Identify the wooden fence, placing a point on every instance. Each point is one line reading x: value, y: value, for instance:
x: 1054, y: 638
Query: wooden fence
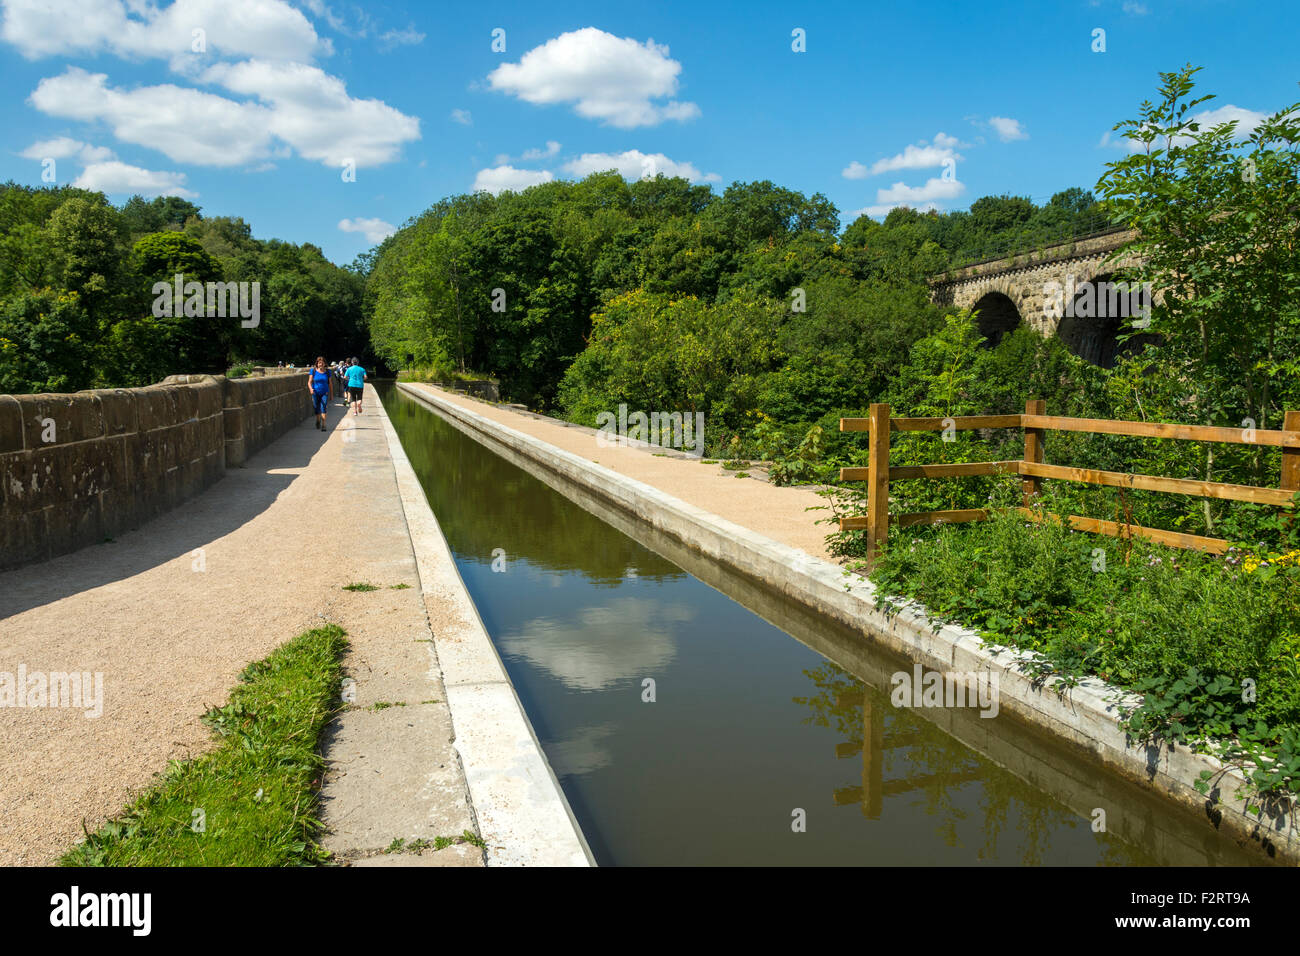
x: 1033, y: 470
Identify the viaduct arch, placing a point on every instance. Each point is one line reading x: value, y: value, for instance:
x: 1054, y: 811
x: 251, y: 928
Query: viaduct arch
x: 1011, y: 291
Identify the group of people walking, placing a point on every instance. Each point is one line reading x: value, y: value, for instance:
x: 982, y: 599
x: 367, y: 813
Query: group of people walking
x: 324, y: 382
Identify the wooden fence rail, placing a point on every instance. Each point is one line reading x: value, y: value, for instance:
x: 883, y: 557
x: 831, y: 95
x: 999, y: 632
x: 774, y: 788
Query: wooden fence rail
x: 1033, y: 469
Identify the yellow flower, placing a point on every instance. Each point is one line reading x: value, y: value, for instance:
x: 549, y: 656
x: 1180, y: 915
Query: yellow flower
x: 1250, y: 564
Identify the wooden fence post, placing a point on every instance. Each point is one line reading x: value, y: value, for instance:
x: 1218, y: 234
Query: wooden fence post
x: 1034, y: 438
x: 1291, y: 456
x: 877, y: 481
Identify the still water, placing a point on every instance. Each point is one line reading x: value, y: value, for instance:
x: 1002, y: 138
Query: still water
x: 758, y: 718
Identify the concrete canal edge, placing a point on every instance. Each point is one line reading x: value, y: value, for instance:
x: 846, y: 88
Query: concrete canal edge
x: 523, y: 816
x: 1086, y: 716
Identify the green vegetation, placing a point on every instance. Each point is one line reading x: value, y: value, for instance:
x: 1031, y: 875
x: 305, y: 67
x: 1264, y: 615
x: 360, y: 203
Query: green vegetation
x: 252, y: 801
x: 438, y: 374
x: 76, y: 293
x: 400, y: 845
x: 361, y: 586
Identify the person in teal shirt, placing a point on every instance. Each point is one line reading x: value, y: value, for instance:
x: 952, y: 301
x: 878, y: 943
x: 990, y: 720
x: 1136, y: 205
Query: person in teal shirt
x: 356, y: 385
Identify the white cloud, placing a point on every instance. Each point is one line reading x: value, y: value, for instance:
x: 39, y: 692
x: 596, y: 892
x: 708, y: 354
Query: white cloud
x: 115, y: 177
x: 366, y: 26
x: 408, y: 37
x: 607, y: 78
x: 915, y: 157
x: 1247, y: 121
x: 462, y: 117
x: 64, y: 147
x: 375, y: 230
x: 1134, y: 8
x: 884, y: 210
x: 501, y: 178
x: 1007, y: 129
x: 303, y: 107
x: 920, y: 198
x: 940, y: 151
x: 934, y: 188
x: 312, y: 112
x: 186, y: 125
x: 634, y: 164
x: 552, y: 149
x: 257, y: 28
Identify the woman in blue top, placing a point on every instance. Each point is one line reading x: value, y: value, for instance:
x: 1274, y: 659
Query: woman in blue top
x: 320, y: 388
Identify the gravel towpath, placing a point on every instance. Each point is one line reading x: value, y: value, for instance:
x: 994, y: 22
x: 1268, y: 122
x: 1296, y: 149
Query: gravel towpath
x: 171, y: 613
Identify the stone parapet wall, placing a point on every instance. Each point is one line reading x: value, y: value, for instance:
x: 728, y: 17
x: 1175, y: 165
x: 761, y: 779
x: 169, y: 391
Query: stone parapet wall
x: 259, y: 410
x: 76, y: 469
x: 1096, y: 246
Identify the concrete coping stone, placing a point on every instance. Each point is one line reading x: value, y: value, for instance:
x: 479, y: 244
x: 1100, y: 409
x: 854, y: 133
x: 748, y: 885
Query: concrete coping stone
x: 523, y: 816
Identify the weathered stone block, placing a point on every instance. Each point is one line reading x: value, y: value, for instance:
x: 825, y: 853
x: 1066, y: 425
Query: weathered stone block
x: 23, y: 539
x: 187, y: 403
x: 157, y: 407
x: 60, y: 419
x: 210, y: 398
x: 118, y: 407
x: 11, y: 424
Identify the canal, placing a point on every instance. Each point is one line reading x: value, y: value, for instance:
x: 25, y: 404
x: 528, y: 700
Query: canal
x: 693, y: 716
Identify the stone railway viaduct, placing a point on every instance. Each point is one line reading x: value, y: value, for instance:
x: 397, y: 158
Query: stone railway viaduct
x: 1010, y: 291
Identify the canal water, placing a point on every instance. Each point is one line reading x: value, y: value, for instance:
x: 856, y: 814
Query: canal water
x: 717, y: 723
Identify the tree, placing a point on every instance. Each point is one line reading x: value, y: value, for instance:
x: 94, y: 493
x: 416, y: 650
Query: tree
x: 1218, y: 229
x: 198, y: 343
x: 143, y: 216
x: 85, y: 239
x: 1216, y: 215
x: 46, y: 338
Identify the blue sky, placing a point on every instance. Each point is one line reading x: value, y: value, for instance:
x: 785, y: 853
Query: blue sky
x: 261, y: 119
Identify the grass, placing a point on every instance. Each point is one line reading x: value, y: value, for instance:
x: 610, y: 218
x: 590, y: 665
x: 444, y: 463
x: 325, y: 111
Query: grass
x: 253, y: 800
x: 360, y: 587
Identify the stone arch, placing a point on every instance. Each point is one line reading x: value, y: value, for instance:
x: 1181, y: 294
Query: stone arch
x: 1096, y: 314
x: 998, y: 315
